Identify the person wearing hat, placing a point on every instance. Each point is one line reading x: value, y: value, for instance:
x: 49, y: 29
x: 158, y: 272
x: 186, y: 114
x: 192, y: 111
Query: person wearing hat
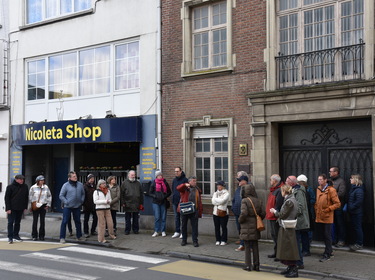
x: 16, y: 201
x: 220, y: 213
x: 306, y: 235
x: 41, y: 195
x: 242, y: 179
x: 89, y: 207
x: 159, y: 191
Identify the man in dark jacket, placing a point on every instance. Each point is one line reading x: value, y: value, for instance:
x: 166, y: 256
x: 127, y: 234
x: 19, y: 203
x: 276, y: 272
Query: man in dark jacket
x: 132, y: 201
x: 275, y: 200
x: 16, y: 201
x: 339, y: 219
x: 242, y: 179
x: 89, y: 206
x: 178, y: 180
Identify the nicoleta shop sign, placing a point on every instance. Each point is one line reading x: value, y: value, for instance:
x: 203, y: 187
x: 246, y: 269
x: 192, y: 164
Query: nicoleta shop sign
x: 79, y: 131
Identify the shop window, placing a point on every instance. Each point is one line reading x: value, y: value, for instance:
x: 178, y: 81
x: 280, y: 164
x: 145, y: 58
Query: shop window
x: 36, y: 79
x: 40, y: 10
x: 207, y: 36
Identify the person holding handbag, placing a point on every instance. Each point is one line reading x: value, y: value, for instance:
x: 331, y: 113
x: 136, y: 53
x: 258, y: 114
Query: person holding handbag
x: 220, y: 213
x: 251, y: 207
x: 40, y: 195
x: 287, y: 249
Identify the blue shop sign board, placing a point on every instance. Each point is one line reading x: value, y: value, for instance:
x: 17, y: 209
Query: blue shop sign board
x: 79, y: 131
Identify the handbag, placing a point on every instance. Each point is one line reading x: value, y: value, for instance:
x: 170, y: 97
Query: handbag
x: 289, y: 223
x: 221, y: 213
x: 187, y: 208
x: 260, y: 225
x: 34, y: 206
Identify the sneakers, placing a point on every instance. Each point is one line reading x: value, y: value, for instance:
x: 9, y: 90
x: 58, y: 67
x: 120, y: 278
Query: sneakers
x: 164, y: 234
x: 217, y: 243
x: 176, y: 234
x: 325, y: 258
x: 17, y: 239
x: 71, y: 234
x: 339, y: 244
x: 355, y: 247
x: 62, y: 241
x: 81, y: 239
x: 223, y: 243
x: 181, y: 236
x: 10, y: 241
x: 87, y: 235
x: 240, y: 248
x: 155, y: 234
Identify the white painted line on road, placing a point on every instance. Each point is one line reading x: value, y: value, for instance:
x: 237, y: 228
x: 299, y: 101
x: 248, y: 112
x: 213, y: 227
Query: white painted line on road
x: 45, y: 272
x: 114, y: 255
x: 76, y: 261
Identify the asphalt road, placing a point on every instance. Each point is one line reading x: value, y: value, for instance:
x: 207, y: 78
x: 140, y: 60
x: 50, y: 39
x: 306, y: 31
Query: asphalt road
x: 30, y: 260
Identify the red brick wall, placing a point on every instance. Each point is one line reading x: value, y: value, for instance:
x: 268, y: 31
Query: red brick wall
x: 220, y: 96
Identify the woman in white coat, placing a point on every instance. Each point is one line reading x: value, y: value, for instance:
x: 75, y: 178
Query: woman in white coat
x: 102, y: 201
x: 220, y: 214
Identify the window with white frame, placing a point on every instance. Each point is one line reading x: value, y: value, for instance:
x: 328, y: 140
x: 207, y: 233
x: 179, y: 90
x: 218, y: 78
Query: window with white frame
x: 84, y: 72
x: 40, y: 10
x: 211, y: 162
x: 207, y: 36
x: 311, y: 27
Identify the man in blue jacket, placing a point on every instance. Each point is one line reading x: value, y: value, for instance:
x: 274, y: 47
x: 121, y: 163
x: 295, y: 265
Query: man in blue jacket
x: 72, y: 195
x: 178, y: 180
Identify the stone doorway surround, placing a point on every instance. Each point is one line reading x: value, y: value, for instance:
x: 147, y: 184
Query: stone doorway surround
x: 339, y: 101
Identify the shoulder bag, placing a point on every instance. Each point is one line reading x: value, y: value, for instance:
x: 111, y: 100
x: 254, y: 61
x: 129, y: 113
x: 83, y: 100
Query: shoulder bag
x: 34, y: 207
x: 260, y: 225
x: 187, y: 208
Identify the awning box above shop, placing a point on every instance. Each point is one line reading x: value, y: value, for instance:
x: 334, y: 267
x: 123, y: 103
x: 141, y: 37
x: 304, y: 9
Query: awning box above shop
x: 79, y: 131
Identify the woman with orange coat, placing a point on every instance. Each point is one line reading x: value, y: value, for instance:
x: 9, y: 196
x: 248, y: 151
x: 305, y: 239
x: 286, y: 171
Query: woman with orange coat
x: 326, y: 202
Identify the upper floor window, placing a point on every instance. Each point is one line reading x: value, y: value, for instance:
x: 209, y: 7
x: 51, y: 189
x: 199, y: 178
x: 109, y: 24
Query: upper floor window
x: 84, y: 72
x: 320, y: 40
x: 207, y: 36
x: 39, y: 10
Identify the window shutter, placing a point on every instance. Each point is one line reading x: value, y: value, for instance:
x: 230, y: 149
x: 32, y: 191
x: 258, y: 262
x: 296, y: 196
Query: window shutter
x: 210, y: 132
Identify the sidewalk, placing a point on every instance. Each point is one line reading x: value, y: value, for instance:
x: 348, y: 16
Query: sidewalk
x: 344, y: 264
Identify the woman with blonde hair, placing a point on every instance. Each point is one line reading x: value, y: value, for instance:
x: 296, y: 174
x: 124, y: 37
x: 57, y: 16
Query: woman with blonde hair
x: 102, y: 200
x: 355, y: 208
x: 287, y: 250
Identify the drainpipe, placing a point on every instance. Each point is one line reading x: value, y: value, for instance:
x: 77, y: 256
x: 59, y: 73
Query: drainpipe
x: 158, y: 86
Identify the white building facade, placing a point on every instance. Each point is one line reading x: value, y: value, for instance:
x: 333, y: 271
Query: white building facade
x: 84, y: 89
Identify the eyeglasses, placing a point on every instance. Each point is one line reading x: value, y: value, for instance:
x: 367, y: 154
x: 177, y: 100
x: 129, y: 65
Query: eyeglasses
x: 177, y: 171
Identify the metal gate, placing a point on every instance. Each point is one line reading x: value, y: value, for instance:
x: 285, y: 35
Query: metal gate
x: 312, y: 148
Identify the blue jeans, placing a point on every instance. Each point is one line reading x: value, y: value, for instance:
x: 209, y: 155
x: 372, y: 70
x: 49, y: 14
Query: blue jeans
x: 128, y: 221
x: 14, y: 223
x: 299, y: 245
x: 177, y: 218
x: 67, y: 212
x: 305, y: 238
x: 239, y: 230
x: 340, y: 231
x: 357, y: 227
x: 160, y: 215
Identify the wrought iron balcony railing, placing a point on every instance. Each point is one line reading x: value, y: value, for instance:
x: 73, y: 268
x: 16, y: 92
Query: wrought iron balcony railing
x: 329, y: 65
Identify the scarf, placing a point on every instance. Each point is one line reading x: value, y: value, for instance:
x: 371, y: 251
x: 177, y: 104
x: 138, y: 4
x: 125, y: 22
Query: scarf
x: 73, y: 183
x: 103, y: 189
x: 160, y: 185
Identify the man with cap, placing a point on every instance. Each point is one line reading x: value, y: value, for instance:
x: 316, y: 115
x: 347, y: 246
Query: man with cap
x: 242, y: 179
x: 41, y: 195
x: 178, y: 180
x: 303, y: 221
x: 89, y: 206
x: 72, y: 195
x: 16, y: 201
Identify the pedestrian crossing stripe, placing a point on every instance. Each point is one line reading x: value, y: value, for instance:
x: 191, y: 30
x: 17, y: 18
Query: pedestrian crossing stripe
x: 45, y: 272
x: 111, y: 254
x: 82, y: 262
x: 29, y: 245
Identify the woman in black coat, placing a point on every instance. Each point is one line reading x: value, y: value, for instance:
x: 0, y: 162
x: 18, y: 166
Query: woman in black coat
x: 248, y: 222
x: 355, y: 208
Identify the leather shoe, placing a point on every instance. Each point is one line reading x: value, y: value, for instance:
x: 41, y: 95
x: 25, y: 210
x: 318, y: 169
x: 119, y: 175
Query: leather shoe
x: 183, y: 243
x: 195, y: 244
x: 256, y: 267
x: 272, y: 256
x: 247, y: 268
x: 127, y: 232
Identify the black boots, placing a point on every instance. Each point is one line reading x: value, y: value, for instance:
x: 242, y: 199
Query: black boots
x: 293, y: 272
x: 256, y: 267
x: 286, y: 271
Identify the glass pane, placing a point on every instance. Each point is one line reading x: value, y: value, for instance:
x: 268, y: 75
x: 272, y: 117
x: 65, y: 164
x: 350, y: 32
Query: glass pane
x: 52, y: 8
x: 217, y: 145
x: 66, y: 6
x: 31, y: 81
x: 206, y: 174
x: 225, y: 145
x: 40, y: 93
x: 218, y: 163
x: 34, y: 11
x: 199, y: 175
x: 80, y: 5
x: 198, y: 163
x: 40, y: 79
x: 207, y: 188
x: 31, y: 94
x: 225, y: 163
x: 218, y: 176
x: 206, y: 163
x: 206, y: 145
x: 198, y: 146
x: 55, y: 62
